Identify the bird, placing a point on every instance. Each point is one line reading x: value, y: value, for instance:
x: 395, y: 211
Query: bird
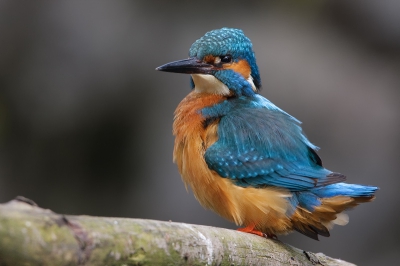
x: 245, y: 158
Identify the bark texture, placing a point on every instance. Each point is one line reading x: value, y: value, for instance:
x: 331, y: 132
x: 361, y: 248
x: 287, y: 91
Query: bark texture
x: 30, y: 235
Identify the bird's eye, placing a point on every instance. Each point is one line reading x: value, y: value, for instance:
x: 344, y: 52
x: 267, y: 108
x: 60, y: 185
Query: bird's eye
x: 226, y: 59
x: 222, y: 59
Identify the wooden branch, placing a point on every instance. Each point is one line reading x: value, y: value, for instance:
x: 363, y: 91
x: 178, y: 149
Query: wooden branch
x: 30, y: 235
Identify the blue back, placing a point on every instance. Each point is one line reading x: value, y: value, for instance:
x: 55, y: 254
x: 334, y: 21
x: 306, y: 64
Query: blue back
x: 259, y: 144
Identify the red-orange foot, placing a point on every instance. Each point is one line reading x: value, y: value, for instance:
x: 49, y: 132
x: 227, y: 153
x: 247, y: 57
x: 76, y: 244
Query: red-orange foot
x: 250, y: 229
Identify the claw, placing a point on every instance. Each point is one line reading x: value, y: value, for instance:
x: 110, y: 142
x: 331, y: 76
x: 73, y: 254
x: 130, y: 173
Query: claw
x: 272, y: 236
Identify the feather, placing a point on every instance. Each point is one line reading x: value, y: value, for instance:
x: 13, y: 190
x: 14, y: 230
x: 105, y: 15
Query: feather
x: 272, y: 153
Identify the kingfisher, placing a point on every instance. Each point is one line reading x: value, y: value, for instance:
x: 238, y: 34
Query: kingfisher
x: 244, y: 157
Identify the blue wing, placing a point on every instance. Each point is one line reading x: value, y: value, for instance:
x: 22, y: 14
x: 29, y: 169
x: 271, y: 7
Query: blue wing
x: 261, y: 145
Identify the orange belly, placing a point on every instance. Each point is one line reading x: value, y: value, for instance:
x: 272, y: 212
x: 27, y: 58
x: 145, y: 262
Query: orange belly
x: 267, y: 207
x: 264, y: 207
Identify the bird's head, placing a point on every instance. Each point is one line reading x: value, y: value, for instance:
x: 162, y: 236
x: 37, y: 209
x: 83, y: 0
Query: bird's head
x: 220, y: 62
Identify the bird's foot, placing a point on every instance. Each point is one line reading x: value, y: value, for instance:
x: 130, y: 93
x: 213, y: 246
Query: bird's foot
x: 250, y: 229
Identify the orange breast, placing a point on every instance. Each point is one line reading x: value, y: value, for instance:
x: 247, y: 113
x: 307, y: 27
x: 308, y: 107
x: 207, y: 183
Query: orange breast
x: 266, y: 208
x: 263, y: 207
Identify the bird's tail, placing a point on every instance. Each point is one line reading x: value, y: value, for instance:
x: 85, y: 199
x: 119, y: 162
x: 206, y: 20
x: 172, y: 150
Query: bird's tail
x: 322, y: 207
x: 344, y: 189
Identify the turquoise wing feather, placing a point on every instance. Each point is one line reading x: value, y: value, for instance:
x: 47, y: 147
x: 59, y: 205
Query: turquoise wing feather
x: 261, y: 145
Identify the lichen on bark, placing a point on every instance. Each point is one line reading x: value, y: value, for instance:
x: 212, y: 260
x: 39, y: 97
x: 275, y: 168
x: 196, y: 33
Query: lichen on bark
x: 30, y: 235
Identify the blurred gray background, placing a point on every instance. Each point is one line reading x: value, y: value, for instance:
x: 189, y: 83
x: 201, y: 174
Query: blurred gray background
x: 85, y: 120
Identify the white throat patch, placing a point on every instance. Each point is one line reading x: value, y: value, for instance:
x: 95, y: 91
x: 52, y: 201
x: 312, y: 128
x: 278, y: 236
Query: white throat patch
x: 210, y: 84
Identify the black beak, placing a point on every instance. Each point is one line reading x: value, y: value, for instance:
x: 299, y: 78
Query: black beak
x: 188, y: 66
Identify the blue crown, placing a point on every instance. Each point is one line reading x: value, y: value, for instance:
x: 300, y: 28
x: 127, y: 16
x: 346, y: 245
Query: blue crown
x: 227, y: 41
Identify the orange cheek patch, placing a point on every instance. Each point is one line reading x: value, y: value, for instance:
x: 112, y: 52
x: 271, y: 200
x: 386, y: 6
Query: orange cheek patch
x: 241, y: 67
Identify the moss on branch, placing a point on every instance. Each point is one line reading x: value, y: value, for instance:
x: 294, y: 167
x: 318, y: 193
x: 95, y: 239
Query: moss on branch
x: 30, y: 235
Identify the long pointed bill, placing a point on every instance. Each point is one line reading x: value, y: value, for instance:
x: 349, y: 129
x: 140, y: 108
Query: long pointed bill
x: 187, y: 66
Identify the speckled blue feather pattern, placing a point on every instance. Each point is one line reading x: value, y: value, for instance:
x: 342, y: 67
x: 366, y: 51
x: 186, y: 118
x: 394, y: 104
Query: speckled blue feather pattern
x: 261, y: 145
x: 227, y: 41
